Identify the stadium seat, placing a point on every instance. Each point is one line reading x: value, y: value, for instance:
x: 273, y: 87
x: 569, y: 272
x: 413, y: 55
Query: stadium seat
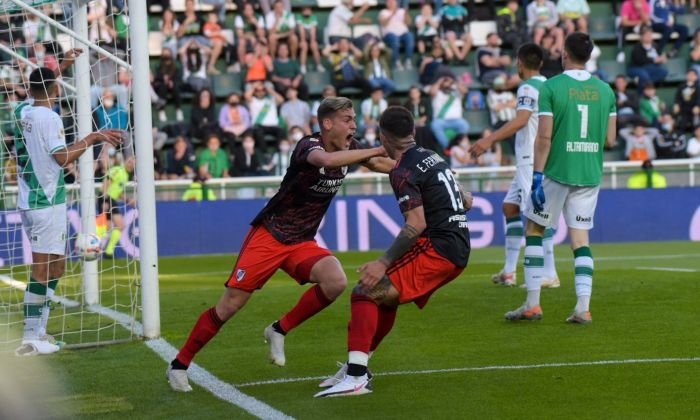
x: 480, y: 29
x: 224, y: 84
x: 677, y: 67
x: 317, y: 81
x: 603, y: 28
x: 478, y: 120
x: 404, y: 79
x: 612, y: 68
x: 691, y: 20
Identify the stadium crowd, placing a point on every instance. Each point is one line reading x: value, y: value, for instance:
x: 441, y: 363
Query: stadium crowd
x: 272, y: 60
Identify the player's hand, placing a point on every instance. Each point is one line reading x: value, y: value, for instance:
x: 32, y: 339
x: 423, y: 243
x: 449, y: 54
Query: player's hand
x: 537, y: 192
x: 372, y: 272
x: 480, y: 147
x: 467, y: 200
x: 72, y: 54
x: 381, y: 151
x: 111, y: 136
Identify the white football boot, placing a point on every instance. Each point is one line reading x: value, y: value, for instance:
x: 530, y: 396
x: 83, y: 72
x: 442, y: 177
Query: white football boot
x: 350, y: 385
x: 36, y: 347
x: 339, y: 375
x: 276, y: 342
x: 177, y: 378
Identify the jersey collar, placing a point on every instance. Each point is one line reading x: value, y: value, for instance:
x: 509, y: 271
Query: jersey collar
x: 580, y: 75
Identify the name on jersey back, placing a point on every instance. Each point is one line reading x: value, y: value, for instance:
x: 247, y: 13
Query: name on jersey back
x: 429, y: 162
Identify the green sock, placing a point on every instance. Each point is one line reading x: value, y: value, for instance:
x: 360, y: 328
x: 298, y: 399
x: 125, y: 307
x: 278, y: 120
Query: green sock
x: 113, y: 241
x: 34, y: 300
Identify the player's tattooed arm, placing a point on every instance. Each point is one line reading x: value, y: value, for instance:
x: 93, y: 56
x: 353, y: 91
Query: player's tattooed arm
x: 467, y: 198
x: 380, y: 164
x: 403, y: 242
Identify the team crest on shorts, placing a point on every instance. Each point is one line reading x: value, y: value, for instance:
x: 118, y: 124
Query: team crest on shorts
x: 240, y: 273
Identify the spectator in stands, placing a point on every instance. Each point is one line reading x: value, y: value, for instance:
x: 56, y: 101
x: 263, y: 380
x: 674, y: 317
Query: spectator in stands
x: 286, y: 73
x: 592, y: 65
x: 634, y: 15
x: 639, y: 142
x: 39, y: 56
x: 686, y: 105
x: 219, y: 8
x: 234, y: 119
x: 250, y: 28
x: 259, y: 63
x: 203, y: 121
x: 493, y: 63
x: 296, y: 112
x: 194, y: 58
x: 344, y: 58
x: 377, y: 69
x: 427, y: 25
x: 670, y: 143
x: 192, y: 29
x: 627, y: 103
x: 110, y: 113
x: 340, y: 19
x: 307, y: 22
x: 213, y: 162
x: 511, y: 29
x: 280, y: 159
x: 422, y: 115
x: 265, y: 5
x: 295, y: 135
x: 646, y: 64
x: 281, y: 25
x: 167, y: 84
x: 490, y: 159
x: 100, y: 29
x: 573, y: 15
x: 695, y: 51
x: 453, y: 18
x: 693, y: 148
x: 663, y: 13
x: 371, y: 109
x: 542, y: 19
x: 447, y: 95
x: 169, y: 26
x: 646, y: 178
x: 328, y: 91
x: 501, y: 102
x: 651, y: 106
x: 246, y: 161
x: 181, y: 161
x: 35, y: 31
x: 198, y: 191
x: 213, y: 31
x: 459, y: 153
x: 262, y: 102
x: 370, y: 138
x: 394, y: 21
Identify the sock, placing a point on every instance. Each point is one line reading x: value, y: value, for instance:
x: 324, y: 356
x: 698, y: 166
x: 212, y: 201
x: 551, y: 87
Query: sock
x: 514, y: 237
x: 357, y: 363
x: 534, y: 267
x: 361, y: 332
x: 113, y: 241
x: 387, y: 316
x: 207, y: 326
x: 550, y: 268
x: 312, y: 302
x: 47, y: 306
x: 583, y: 261
x: 278, y: 328
x: 34, y: 300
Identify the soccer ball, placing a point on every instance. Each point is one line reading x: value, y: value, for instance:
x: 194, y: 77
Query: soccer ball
x: 88, y: 246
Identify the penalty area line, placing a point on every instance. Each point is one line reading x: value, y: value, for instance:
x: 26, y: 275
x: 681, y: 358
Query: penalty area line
x: 484, y: 368
x: 673, y: 269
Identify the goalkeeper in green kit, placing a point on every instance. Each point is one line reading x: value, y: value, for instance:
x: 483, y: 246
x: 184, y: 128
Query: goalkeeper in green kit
x: 577, y: 118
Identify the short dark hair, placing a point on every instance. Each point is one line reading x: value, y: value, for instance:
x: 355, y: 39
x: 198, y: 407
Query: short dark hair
x: 579, y: 46
x: 396, y: 122
x: 331, y: 105
x: 531, y: 55
x: 41, y: 80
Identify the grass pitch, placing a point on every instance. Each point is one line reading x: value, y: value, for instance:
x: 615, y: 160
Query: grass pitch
x: 644, y: 306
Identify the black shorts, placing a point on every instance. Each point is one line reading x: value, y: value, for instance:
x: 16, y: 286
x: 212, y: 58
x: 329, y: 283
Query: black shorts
x: 109, y: 206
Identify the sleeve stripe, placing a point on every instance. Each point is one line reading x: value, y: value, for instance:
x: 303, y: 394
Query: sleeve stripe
x: 57, y: 148
x: 547, y: 114
x: 612, y: 114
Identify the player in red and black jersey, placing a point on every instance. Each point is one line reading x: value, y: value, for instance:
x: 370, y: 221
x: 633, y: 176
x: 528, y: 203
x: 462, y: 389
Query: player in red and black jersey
x: 282, y: 236
x: 430, y: 251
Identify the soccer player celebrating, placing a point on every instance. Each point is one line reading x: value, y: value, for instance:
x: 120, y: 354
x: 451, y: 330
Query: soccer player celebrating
x: 524, y: 126
x: 41, y: 156
x: 577, y: 118
x: 429, y: 252
x: 282, y: 236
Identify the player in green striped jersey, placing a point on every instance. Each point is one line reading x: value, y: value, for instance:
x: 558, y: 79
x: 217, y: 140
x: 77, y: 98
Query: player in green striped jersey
x: 577, y: 119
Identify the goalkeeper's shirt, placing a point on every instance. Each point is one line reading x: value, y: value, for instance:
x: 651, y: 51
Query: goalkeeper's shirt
x: 580, y: 106
x: 38, y: 134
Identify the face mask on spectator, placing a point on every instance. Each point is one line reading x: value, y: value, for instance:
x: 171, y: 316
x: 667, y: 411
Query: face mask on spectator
x: 370, y: 137
x: 284, y: 147
x: 108, y: 103
x: 667, y: 127
x: 298, y: 135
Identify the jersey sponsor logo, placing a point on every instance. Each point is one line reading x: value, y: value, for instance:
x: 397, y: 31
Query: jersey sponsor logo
x: 541, y: 214
x: 526, y: 101
x: 240, y: 274
x: 584, y: 219
x: 404, y: 198
x: 343, y: 169
x: 457, y: 218
x: 35, y: 238
x: 327, y: 186
x: 582, y: 147
x: 429, y: 162
x: 584, y: 94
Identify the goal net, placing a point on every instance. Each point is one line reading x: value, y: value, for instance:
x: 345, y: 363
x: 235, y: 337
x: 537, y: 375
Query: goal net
x: 94, y: 300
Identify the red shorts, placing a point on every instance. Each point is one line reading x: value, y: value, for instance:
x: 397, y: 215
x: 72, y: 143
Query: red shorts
x: 420, y: 272
x: 261, y: 255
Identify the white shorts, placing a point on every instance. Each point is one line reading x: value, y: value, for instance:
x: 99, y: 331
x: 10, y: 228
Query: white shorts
x: 519, y: 190
x: 46, y: 229
x: 578, y: 204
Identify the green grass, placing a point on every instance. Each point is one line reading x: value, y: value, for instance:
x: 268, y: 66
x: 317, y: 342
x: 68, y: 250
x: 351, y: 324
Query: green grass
x: 637, y: 315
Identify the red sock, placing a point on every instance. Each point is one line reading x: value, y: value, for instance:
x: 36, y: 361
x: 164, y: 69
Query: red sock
x: 363, y: 323
x: 312, y: 302
x: 387, y: 316
x: 204, y: 330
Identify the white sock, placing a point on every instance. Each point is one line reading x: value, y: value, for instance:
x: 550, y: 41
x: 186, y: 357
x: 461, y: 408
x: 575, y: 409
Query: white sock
x: 358, y: 358
x: 534, y: 267
x: 34, y: 300
x: 583, y: 261
x: 514, y: 238
x: 45, y: 312
x: 550, y: 268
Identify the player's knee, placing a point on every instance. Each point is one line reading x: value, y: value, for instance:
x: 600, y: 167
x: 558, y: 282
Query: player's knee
x: 231, y: 302
x: 55, y: 272
x: 511, y: 210
x: 334, y: 284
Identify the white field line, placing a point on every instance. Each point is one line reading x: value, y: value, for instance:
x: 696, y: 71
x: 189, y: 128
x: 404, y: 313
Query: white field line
x: 167, y: 352
x: 68, y: 303
x: 674, y: 269
x: 484, y: 368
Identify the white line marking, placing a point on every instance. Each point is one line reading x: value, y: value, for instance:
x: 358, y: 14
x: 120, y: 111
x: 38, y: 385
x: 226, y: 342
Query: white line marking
x: 612, y: 258
x: 483, y: 368
x: 679, y: 270
x: 167, y: 352
x: 68, y: 303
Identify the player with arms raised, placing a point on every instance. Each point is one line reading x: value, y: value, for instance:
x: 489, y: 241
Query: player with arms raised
x: 524, y: 126
x: 42, y: 154
x: 430, y: 251
x: 577, y: 119
x: 282, y: 236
